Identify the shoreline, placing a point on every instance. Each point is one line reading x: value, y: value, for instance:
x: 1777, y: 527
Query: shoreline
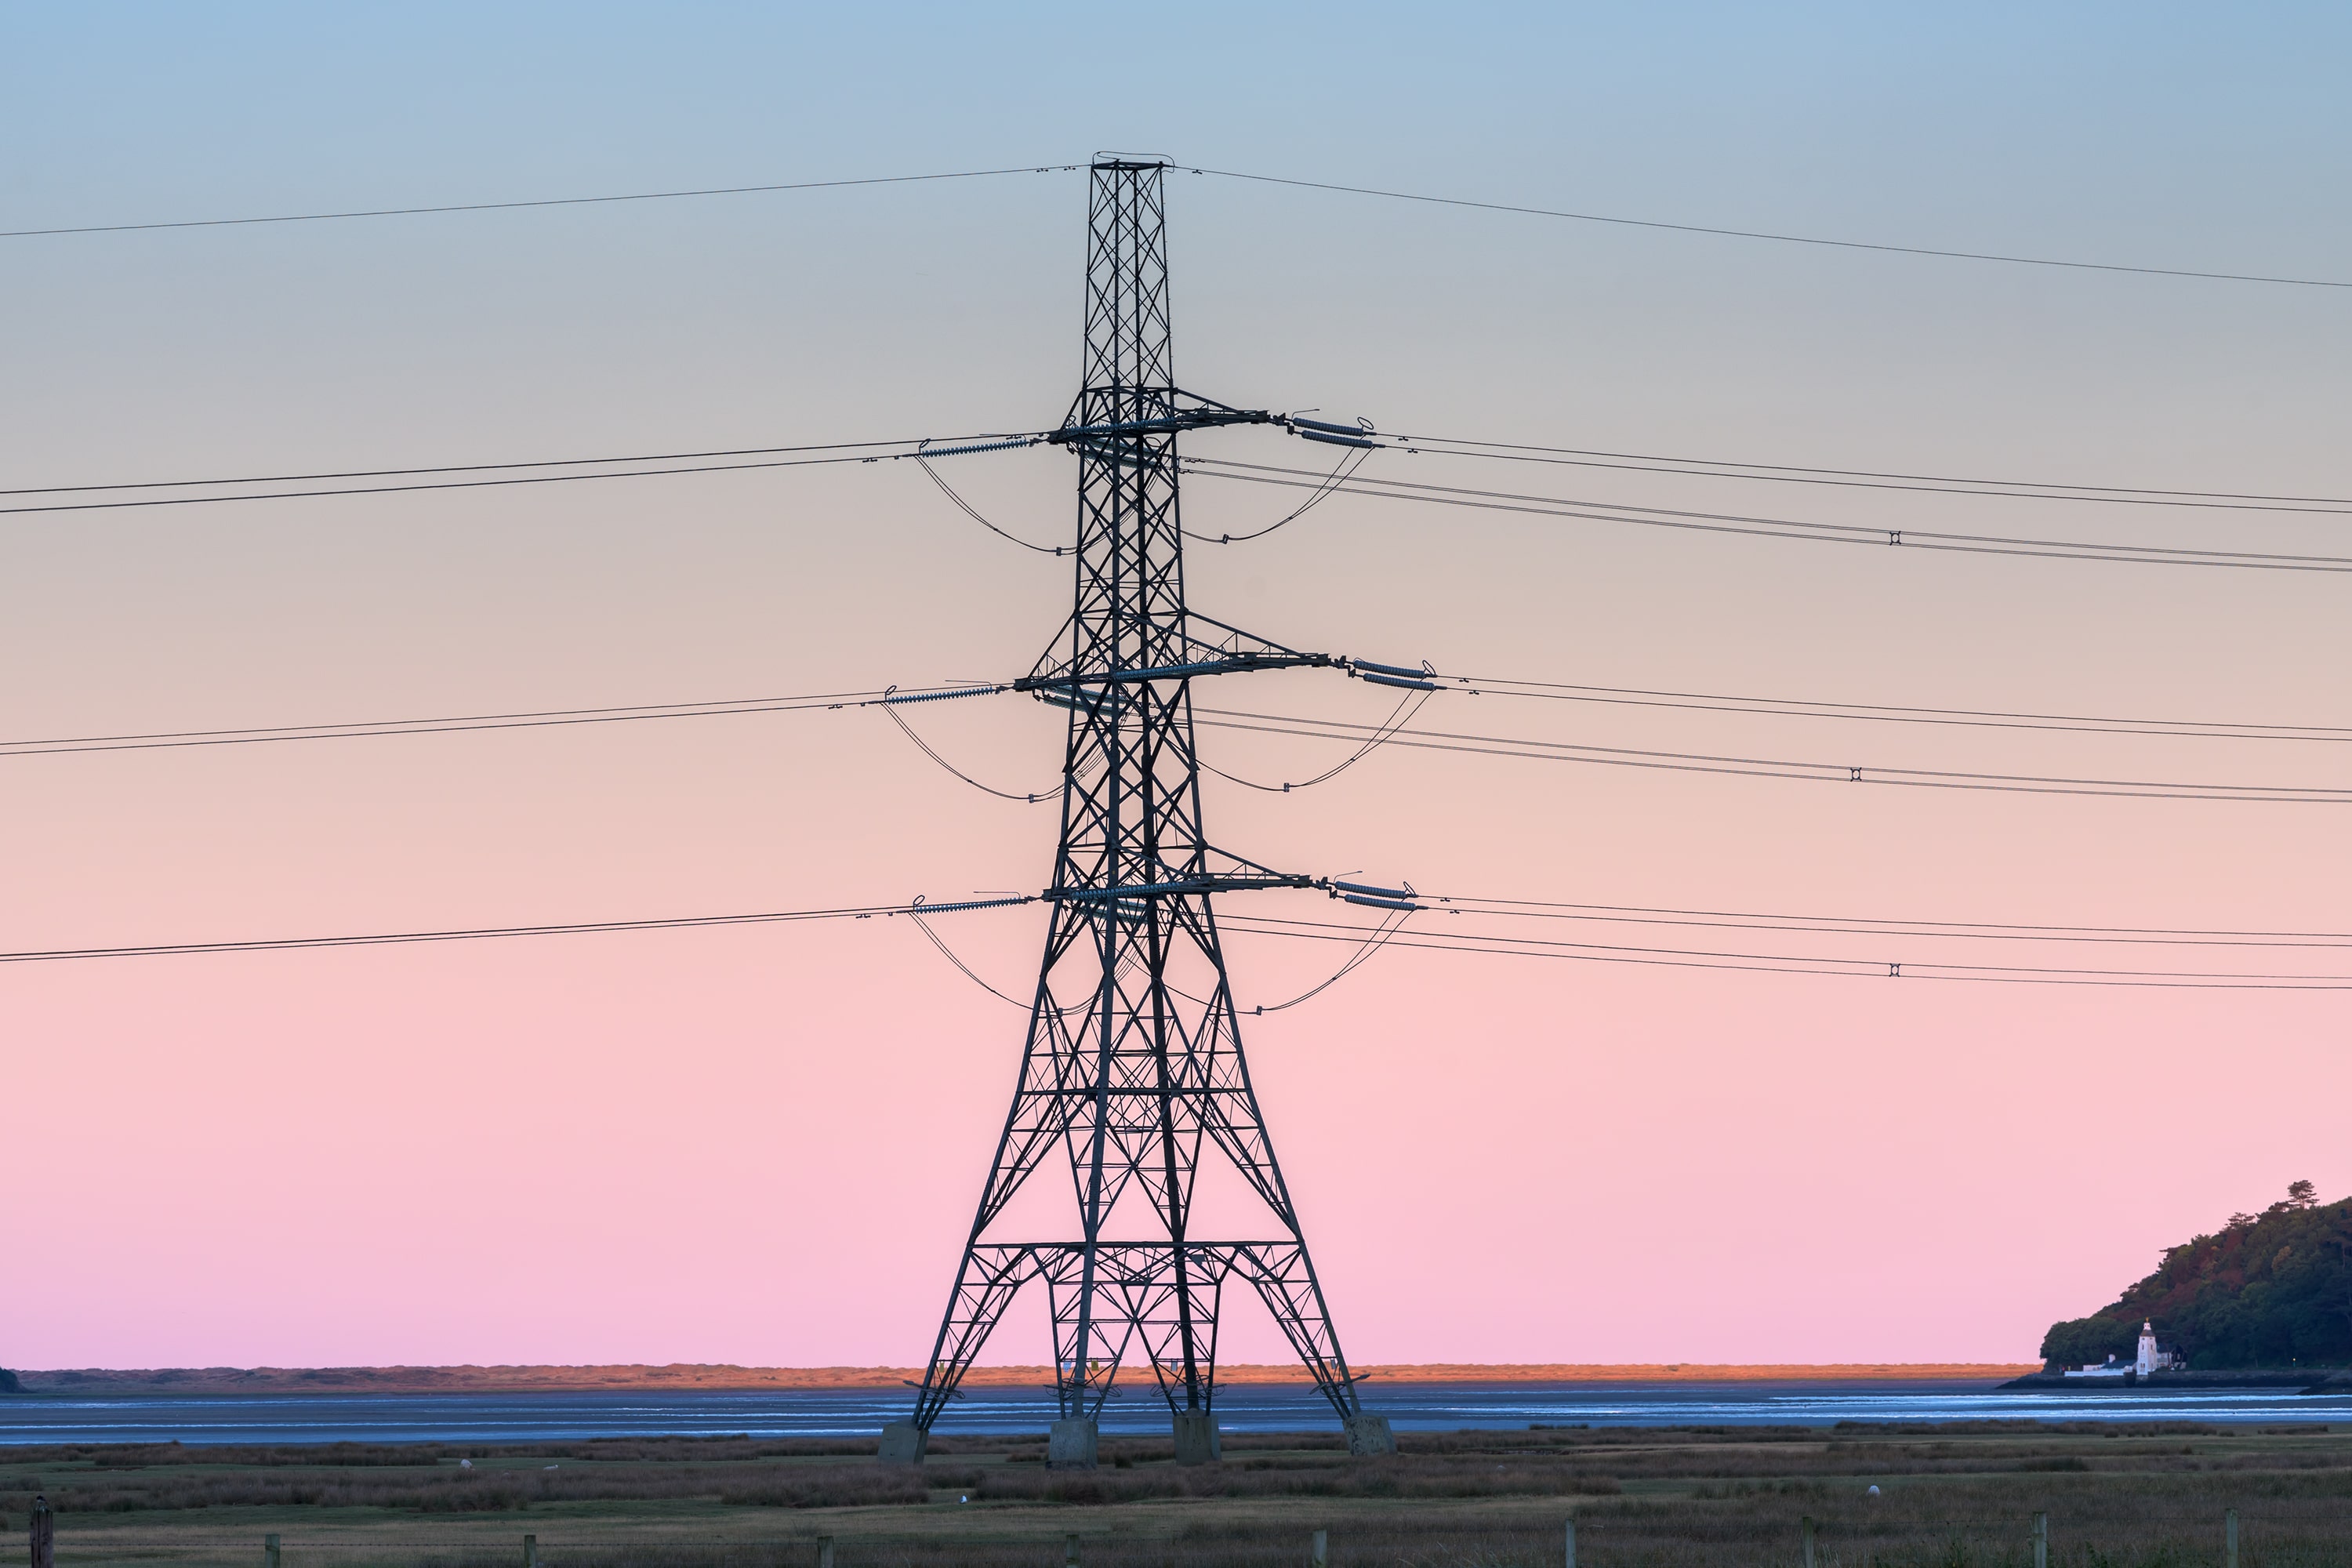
x: 2313, y: 1380
x: 721, y: 1379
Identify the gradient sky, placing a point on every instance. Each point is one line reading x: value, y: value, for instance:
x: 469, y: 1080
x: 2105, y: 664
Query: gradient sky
x: 762, y: 1145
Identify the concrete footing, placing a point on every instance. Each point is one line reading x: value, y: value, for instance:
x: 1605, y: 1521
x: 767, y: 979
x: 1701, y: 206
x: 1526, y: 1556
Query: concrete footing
x: 903, y: 1443
x: 1197, y: 1439
x: 1368, y: 1433
x: 1073, y: 1444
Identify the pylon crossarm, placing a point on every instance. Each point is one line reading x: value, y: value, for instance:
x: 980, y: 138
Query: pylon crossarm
x: 1072, y: 690
x: 1179, y: 404
x: 1235, y: 639
x: 1238, y: 642
x: 1091, y: 436
x: 1193, y: 654
x: 1203, y: 884
x: 1068, y: 685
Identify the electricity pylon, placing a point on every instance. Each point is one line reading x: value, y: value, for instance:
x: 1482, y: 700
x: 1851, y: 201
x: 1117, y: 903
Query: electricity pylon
x: 1133, y: 1064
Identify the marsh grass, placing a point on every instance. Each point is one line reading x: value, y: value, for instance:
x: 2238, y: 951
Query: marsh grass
x: 1959, y: 1496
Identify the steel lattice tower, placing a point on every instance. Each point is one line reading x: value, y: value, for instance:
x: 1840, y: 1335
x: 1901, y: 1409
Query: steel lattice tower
x: 1133, y: 1063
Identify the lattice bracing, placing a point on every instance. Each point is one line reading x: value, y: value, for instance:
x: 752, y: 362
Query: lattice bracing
x: 1133, y: 1064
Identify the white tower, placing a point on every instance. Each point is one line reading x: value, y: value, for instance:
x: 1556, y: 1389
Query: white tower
x: 2147, y: 1347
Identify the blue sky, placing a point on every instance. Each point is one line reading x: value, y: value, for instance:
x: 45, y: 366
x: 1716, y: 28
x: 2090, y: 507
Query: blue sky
x: 2196, y: 137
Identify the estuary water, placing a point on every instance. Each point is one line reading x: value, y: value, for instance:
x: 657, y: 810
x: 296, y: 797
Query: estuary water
x: 1244, y: 1407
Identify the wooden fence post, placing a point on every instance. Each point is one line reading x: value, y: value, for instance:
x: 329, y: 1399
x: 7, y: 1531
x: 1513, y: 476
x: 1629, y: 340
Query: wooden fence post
x: 1070, y: 1551
x: 44, y: 1533
x: 1318, y: 1552
x: 2229, y: 1535
x: 824, y: 1552
x: 269, y: 1551
x: 1572, y: 1543
x: 2041, y: 1540
x: 529, y: 1553
x: 1808, y: 1540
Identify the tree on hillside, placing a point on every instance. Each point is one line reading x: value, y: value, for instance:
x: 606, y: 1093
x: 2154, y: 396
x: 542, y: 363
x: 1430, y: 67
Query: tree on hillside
x: 2273, y: 1289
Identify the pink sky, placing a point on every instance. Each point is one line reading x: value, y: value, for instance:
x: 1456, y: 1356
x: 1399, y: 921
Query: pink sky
x: 762, y: 1145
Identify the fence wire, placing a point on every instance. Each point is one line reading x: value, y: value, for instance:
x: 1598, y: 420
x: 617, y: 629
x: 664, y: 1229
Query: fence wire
x: 1619, y: 1535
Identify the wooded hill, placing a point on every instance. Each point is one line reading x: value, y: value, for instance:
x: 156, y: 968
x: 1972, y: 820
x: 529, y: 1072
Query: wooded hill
x: 2271, y: 1289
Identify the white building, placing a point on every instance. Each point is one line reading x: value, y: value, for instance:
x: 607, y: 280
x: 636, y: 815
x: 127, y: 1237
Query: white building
x: 2151, y: 1358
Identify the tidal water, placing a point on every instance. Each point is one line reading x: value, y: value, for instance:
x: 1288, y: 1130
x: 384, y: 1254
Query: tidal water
x: 812, y: 1412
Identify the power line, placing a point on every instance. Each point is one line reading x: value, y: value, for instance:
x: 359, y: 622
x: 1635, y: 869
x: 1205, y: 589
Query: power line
x: 1439, y: 446
x: 889, y: 700
x: 474, y: 468
x: 1863, y: 925
x: 539, y: 202
x: 949, y: 953
x: 841, y: 454
x: 1347, y: 464
x: 1780, y: 768
x: 1866, y: 479
x: 1353, y: 961
x: 478, y: 933
x: 1400, y: 716
x: 1780, y: 238
x: 1368, y: 940
x: 1781, y: 964
x: 1806, y: 707
x: 1769, y: 527
x: 1519, y: 209
x: 2055, y: 932
x: 1373, y: 737
x: 1382, y: 934
x: 923, y: 462
x: 542, y: 719
x: 925, y: 747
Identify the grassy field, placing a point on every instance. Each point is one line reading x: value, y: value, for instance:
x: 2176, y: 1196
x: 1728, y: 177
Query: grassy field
x: 1950, y: 1496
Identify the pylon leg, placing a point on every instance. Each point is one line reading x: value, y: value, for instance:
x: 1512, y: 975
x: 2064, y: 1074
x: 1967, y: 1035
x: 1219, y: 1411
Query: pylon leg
x: 1285, y: 1280
x: 986, y: 1282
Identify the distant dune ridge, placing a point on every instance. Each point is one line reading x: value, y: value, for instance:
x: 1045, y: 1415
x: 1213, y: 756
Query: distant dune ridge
x: 719, y: 1379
